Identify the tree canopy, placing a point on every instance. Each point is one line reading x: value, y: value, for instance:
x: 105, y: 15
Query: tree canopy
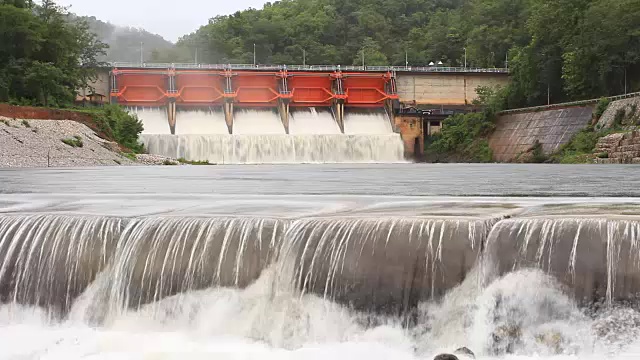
x: 557, y: 50
x: 44, y: 57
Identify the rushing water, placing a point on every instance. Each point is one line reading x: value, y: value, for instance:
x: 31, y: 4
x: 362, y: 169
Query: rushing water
x: 259, y: 137
x: 312, y: 121
x: 199, y: 121
x: 231, y: 262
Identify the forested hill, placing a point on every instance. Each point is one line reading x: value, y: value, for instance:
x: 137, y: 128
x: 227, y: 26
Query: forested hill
x: 561, y: 49
x: 124, y: 42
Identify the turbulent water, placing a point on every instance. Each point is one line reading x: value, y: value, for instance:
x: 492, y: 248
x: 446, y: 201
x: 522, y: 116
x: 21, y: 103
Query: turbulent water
x: 312, y: 121
x: 200, y: 121
x: 278, y: 149
x: 155, y: 120
x: 259, y: 137
x: 241, y: 274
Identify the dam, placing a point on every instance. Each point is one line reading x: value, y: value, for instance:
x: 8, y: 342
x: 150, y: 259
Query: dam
x: 377, y: 260
x: 238, y: 114
x: 231, y: 116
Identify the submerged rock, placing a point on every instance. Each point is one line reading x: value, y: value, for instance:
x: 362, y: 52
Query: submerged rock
x: 446, y: 357
x: 462, y: 353
x: 466, y: 352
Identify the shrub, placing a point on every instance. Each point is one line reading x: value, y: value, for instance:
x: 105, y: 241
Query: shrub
x: 114, y: 121
x: 584, y: 142
x: 75, y: 142
x: 619, y: 117
x: 601, y: 107
x: 465, y: 136
x: 190, y: 162
x: 603, y: 155
x: 26, y: 123
x: 537, y: 152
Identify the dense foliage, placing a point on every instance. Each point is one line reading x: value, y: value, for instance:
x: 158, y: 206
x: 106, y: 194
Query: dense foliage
x: 119, y: 125
x: 464, y: 137
x: 558, y: 50
x: 43, y: 56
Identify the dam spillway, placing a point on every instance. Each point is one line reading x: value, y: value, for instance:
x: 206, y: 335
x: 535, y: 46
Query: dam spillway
x: 263, y: 116
x: 259, y: 137
x: 277, y: 255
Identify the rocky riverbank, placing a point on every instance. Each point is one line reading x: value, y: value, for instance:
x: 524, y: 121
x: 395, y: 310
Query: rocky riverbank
x: 55, y: 143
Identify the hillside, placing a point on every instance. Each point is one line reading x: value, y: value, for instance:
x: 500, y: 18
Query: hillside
x: 124, y: 42
x: 557, y: 50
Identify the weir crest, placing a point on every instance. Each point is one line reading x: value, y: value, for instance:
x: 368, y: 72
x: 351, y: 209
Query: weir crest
x: 381, y: 265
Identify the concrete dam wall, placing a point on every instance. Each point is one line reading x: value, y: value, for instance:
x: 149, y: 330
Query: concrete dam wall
x: 518, y: 132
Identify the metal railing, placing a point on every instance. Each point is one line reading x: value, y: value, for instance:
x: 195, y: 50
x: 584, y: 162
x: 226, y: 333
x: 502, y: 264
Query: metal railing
x: 432, y: 69
x: 570, y: 104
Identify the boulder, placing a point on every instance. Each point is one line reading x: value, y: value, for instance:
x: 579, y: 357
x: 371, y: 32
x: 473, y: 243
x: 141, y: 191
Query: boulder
x: 446, y: 357
x: 466, y: 352
x: 462, y: 353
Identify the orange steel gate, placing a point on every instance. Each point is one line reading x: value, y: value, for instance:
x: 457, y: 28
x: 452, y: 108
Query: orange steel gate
x: 250, y: 88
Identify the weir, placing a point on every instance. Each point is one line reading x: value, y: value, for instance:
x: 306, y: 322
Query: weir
x: 387, y: 265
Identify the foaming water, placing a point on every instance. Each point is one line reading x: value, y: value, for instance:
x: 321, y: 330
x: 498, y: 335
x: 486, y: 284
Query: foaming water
x: 154, y: 120
x: 367, y: 123
x: 257, y: 122
x: 279, y: 149
x: 312, y: 121
x: 200, y: 121
x: 523, y: 313
x: 387, y: 280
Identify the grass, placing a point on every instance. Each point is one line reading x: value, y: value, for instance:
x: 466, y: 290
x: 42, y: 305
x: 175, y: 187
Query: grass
x: 130, y: 156
x: 75, y: 142
x: 26, y: 123
x: 191, y: 162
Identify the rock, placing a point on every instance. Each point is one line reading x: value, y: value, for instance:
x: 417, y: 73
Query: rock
x: 466, y: 352
x: 446, y: 357
x: 148, y: 159
x: 505, y: 338
x: 552, y: 340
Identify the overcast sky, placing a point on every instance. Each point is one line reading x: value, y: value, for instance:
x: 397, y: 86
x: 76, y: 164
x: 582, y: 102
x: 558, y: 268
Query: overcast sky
x: 171, y: 19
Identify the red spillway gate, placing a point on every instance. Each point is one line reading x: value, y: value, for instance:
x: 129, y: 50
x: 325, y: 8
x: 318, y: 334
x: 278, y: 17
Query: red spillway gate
x: 250, y: 88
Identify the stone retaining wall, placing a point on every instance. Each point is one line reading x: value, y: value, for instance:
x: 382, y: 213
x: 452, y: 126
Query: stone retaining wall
x: 517, y: 133
x: 621, y: 148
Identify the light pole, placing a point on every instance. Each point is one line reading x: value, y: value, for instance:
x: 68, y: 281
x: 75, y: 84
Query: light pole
x: 304, y: 57
x: 196, y: 59
x: 254, y: 54
x: 141, y: 54
x: 406, y: 59
x: 465, y: 58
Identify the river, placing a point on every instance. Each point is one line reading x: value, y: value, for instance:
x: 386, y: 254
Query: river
x: 377, y: 261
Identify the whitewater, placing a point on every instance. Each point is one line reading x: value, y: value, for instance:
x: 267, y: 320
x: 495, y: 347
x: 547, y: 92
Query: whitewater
x: 314, y: 262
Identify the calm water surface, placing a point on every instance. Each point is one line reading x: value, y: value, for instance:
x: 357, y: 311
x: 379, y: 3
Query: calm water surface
x: 374, y: 179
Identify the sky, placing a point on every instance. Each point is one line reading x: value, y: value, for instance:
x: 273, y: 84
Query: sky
x: 171, y: 19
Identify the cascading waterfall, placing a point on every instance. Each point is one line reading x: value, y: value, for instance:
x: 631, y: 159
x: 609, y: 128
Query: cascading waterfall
x: 200, y: 121
x: 597, y: 258
x: 49, y: 260
x: 312, y: 121
x: 259, y: 137
x: 367, y: 123
x: 420, y: 281
x: 257, y: 122
x: 278, y: 149
x: 154, y: 119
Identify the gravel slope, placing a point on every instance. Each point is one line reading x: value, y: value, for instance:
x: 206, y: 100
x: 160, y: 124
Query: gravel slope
x: 38, y: 143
